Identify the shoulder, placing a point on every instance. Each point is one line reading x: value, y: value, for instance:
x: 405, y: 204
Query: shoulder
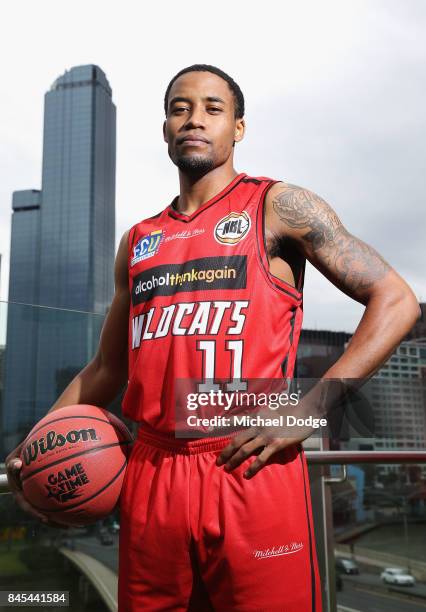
x: 282, y: 191
x: 123, y: 247
x: 120, y: 268
x: 124, y: 241
x: 293, y: 207
x: 148, y: 221
x: 146, y: 225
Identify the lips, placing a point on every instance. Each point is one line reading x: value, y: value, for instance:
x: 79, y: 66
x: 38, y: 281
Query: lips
x: 196, y: 140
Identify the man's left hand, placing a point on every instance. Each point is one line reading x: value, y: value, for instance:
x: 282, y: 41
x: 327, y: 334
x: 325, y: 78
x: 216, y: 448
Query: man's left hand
x: 248, y: 442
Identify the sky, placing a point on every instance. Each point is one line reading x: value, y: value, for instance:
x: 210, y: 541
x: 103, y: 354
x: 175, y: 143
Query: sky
x: 335, y: 101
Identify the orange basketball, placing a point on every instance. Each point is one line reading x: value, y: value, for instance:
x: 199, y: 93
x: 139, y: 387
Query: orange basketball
x: 73, y: 463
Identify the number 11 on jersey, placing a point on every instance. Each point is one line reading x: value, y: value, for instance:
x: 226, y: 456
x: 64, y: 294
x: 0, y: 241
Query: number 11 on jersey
x: 235, y: 382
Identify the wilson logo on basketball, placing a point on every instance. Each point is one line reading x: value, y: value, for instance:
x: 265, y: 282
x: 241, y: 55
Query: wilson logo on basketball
x: 64, y: 485
x: 232, y: 228
x: 53, y: 440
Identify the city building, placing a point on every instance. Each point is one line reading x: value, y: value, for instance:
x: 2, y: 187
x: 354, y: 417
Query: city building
x: 2, y: 351
x: 318, y: 350
x: 396, y: 396
x: 62, y: 250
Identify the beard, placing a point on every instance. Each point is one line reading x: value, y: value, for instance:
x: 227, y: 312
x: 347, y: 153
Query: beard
x: 195, y: 165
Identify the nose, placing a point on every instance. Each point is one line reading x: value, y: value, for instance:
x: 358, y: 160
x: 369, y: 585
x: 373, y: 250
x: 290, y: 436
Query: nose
x: 196, y: 119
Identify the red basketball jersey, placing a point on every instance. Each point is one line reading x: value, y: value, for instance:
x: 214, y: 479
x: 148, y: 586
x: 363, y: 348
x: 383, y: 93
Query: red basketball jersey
x: 204, y: 305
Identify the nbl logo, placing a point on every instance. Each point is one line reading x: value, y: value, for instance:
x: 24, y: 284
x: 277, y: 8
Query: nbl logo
x: 232, y: 228
x: 147, y: 246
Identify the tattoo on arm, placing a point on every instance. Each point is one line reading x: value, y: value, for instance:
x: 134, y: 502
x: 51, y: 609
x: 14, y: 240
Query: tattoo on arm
x: 356, y: 264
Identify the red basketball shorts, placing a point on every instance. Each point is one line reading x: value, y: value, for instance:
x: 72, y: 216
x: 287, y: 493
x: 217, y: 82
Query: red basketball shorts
x: 194, y: 537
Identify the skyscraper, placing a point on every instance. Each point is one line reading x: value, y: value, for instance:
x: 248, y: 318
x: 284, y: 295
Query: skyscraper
x: 20, y: 355
x: 78, y: 192
x: 25, y: 247
x: 62, y: 250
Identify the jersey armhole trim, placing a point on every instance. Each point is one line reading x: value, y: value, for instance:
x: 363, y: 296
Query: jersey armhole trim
x: 273, y: 280
x: 130, y: 245
x: 132, y: 233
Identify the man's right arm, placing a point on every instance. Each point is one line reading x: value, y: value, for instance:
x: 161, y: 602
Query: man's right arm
x: 101, y: 379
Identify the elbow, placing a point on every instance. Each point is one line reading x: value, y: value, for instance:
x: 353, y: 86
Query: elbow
x: 96, y: 362
x: 411, y: 306
x: 112, y: 369
x: 408, y: 307
x: 418, y: 312
x: 399, y: 298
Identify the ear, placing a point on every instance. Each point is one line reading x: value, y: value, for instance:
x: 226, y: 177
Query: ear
x: 164, y: 132
x: 240, y: 128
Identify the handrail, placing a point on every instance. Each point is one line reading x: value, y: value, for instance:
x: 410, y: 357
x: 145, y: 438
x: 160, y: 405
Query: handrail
x: 89, y: 312
x: 346, y: 457
x: 4, y: 485
x: 331, y: 457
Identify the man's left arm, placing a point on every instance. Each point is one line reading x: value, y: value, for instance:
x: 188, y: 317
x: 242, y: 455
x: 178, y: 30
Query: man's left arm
x: 307, y: 222
x: 354, y: 267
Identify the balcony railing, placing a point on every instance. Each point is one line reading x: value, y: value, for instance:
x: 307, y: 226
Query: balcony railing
x: 329, y: 458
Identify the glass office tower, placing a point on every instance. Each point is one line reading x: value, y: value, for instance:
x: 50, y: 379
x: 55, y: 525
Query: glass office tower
x: 19, y: 362
x: 69, y: 261
x: 25, y: 246
x: 78, y: 186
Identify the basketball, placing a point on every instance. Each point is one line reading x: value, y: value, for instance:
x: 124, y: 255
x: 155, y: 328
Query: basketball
x: 73, y: 464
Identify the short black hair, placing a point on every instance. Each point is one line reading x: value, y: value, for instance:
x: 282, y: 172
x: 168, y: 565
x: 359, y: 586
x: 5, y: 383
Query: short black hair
x: 237, y: 93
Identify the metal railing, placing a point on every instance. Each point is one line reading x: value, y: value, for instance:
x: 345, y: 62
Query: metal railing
x: 349, y: 457
x: 331, y: 458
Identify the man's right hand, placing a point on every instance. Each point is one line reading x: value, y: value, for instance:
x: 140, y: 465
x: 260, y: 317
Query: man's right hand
x: 13, y: 470
x: 99, y: 382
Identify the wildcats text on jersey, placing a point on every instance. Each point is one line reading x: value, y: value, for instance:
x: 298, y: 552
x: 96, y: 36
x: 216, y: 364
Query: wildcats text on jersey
x: 201, y: 318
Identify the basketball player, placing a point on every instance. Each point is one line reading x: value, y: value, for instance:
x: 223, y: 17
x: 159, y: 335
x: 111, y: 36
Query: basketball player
x: 212, y: 288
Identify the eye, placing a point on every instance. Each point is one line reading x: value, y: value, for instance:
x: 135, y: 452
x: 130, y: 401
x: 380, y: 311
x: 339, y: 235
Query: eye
x: 178, y: 109
x: 214, y: 109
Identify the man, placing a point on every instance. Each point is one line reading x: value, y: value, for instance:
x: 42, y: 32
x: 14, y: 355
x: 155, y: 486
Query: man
x: 213, y: 288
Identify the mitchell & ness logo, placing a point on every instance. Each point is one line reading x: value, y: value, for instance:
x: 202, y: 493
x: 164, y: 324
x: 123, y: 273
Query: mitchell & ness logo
x: 284, y: 549
x: 232, y: 228
x: 185, y: 234
x: 193, y: 275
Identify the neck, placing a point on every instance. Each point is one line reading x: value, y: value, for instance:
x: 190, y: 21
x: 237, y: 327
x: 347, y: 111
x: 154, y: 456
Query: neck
x: 195, y: 191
